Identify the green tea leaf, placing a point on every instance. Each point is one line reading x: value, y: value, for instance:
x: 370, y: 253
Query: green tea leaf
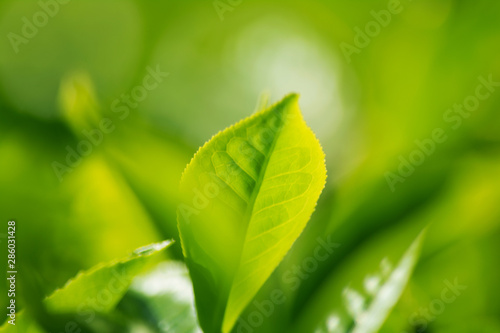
x: 247, y: 195
x: 97, y: 290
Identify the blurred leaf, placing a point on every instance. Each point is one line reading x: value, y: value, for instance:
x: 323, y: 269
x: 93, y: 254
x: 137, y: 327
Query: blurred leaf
x: 78, y: 102
x: 248, y: 194
x: 141, y: 168
x: 387, y: 296
x: 369, y: 313
x: 163, y: 299
x: 96, y: 290
x: 99, y: 278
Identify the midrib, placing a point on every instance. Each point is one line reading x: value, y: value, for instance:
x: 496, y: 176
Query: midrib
x: 255, y: 193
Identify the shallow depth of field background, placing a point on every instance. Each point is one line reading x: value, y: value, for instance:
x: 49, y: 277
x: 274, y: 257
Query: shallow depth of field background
x: 367, y: 111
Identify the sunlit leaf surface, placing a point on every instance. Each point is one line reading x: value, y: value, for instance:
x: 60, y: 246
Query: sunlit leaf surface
x: 248, y: 194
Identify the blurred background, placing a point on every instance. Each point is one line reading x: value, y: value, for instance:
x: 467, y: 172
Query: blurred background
x: 145, y: 83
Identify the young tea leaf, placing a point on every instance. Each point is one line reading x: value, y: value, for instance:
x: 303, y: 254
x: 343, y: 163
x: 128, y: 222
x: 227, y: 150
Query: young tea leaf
x: 247, y: 195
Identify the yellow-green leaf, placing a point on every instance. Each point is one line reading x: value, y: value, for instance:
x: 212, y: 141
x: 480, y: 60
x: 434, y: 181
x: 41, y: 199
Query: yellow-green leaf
x: 246, y: 197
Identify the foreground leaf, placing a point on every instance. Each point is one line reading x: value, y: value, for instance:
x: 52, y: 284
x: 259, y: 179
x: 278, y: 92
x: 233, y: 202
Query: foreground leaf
x: 247, y: 195
x: 91, y: 292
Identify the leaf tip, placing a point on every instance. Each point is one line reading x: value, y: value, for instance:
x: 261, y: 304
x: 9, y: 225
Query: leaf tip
x: 152, y: 248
